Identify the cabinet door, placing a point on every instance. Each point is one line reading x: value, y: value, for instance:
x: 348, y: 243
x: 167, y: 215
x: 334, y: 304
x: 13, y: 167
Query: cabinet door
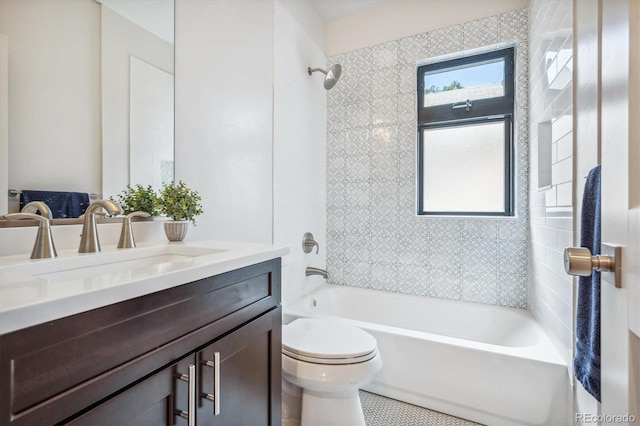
x: 156, y: 400
x: 249, y: 375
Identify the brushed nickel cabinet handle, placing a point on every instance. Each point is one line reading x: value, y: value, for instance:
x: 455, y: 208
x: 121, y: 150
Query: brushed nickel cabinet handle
x: 215, y: 397
x: 191, y: 380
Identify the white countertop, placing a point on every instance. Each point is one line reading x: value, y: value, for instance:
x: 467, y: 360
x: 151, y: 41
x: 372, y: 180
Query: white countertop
x: 30, y: 295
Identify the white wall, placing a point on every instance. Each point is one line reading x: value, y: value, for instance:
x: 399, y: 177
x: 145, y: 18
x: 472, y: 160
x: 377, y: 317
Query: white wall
x: 224, y: 113
x: 54, y: 95
x: 552, y: 206
x: 551, y: 290
x: 299, y: 150
x: 405, y: 18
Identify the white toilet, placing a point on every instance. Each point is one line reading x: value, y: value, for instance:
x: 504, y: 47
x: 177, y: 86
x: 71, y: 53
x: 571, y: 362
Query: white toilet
x: 330, y: 360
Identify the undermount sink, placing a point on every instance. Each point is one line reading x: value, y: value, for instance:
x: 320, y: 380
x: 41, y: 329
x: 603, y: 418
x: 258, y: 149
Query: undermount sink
x: 139, y: 261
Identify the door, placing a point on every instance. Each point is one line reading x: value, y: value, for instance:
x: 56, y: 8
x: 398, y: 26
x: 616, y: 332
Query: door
x: 620, y: 159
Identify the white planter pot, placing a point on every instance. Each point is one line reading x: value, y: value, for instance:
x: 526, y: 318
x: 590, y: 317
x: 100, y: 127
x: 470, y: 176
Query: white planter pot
x: 176, y: 230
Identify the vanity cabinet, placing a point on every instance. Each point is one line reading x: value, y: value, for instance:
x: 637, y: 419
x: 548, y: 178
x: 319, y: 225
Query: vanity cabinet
x: 134, y: 362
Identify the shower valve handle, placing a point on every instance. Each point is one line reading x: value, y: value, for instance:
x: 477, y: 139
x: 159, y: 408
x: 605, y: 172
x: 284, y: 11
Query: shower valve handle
x: 308, y: 243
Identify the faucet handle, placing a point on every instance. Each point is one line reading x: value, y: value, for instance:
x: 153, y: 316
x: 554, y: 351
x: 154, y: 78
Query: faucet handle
x: 43, y: 248
x: 126, y: 234
x: 24, y: 215
x: 136, y: 214
x: 308, y: 243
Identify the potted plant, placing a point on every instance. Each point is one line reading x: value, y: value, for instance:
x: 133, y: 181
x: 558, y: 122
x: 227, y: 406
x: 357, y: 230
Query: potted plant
x: 181, y: 204
x: 139, y: 198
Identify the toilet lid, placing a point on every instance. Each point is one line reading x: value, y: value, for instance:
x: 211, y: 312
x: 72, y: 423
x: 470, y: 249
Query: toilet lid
x: 327, y: 341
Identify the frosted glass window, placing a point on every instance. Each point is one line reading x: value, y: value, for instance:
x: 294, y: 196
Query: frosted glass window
x: 464, y: 168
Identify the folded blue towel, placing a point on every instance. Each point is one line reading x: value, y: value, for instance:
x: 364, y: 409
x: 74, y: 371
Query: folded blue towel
x: 62, y: 204
x: 586, y: 363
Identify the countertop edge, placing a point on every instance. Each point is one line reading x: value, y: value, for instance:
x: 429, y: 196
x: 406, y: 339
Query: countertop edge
x: 246, y: 254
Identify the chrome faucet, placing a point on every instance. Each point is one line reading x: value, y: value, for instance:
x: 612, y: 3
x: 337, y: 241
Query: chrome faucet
x: 316, y: 271
x: 43, y: 248
x: 89, y: 242
x: 37, y: 206
x: 126, y: 234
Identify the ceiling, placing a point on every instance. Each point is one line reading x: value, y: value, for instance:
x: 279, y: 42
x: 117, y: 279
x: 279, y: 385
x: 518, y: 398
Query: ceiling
x: 336, y: 9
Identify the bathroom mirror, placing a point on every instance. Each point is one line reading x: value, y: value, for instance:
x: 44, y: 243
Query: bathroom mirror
x: 86, y: 81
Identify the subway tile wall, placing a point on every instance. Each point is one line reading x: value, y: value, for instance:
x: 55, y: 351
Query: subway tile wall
x: 374, y: 238
x: 551, y: 65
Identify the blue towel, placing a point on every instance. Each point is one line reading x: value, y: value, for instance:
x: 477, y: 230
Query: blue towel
x: 586, y: 363
x: 62, y: 204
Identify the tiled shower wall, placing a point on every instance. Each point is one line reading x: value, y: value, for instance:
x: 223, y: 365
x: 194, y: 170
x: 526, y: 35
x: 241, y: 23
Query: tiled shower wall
x: 375, y: 239
x: 551, y: 45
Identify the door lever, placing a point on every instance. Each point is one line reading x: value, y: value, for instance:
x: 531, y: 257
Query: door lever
x: 579, y: 261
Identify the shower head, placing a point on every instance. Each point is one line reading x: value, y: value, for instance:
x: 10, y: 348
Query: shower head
x: 331, y: 76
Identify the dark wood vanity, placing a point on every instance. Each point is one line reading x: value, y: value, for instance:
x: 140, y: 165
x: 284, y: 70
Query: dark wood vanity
x: 151, y: 360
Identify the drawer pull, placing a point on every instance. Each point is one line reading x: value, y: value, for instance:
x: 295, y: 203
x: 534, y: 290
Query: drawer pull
x: 215, y: 398
x: 191, y: 380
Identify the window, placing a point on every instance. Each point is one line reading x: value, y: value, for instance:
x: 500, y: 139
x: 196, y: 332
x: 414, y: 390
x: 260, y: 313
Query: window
x: 465, y: 135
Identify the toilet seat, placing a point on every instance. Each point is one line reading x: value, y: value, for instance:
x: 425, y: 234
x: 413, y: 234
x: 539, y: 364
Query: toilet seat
x: 327, y: 341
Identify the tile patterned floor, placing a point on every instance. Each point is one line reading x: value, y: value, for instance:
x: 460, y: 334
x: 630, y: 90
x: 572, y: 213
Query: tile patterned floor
x: 381, y: 411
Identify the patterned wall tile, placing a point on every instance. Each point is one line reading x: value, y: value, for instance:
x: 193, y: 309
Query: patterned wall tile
x: 359, y: 168
x: 357, y: 141
x: 385, y: 111
x: 385, y: 250
x: 371, y: 174
x: 413, y: 49
x: 384, y: 139
x: 358, y: 114
x: 383, y: 277
x: 446, y: 40
x: 414, y: 279
x: 384, y: 166
x: 407, y: 80
x: 480, y: 287
x: 385, y: 55
x: 445, y: 283
x: 407, y: 108
x: 385, y: 83
x: 335, y: 144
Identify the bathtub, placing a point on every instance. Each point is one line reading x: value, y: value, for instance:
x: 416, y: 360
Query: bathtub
x: 489, y: 364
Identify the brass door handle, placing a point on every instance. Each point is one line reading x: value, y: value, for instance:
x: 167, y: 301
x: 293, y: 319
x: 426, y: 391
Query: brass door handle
x: 579, y: 261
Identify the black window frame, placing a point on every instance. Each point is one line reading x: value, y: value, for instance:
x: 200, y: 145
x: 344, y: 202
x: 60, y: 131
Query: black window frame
x: 499, y: 108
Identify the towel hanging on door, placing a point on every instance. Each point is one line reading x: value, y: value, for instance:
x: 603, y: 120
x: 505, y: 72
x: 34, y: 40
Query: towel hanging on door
x: 586, y: 363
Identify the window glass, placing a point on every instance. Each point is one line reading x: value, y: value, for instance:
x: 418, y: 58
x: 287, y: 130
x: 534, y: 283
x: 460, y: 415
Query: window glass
x: 470, y: 81
x: 464, y: 168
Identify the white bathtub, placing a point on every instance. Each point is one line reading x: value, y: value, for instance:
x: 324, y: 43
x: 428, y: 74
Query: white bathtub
x: 489, y: 364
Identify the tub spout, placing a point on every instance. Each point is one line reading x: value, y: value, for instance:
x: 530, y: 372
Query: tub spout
x: 316, y: 271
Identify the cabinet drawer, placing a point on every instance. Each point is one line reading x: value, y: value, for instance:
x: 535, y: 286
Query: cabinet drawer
x: 52, y: 370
